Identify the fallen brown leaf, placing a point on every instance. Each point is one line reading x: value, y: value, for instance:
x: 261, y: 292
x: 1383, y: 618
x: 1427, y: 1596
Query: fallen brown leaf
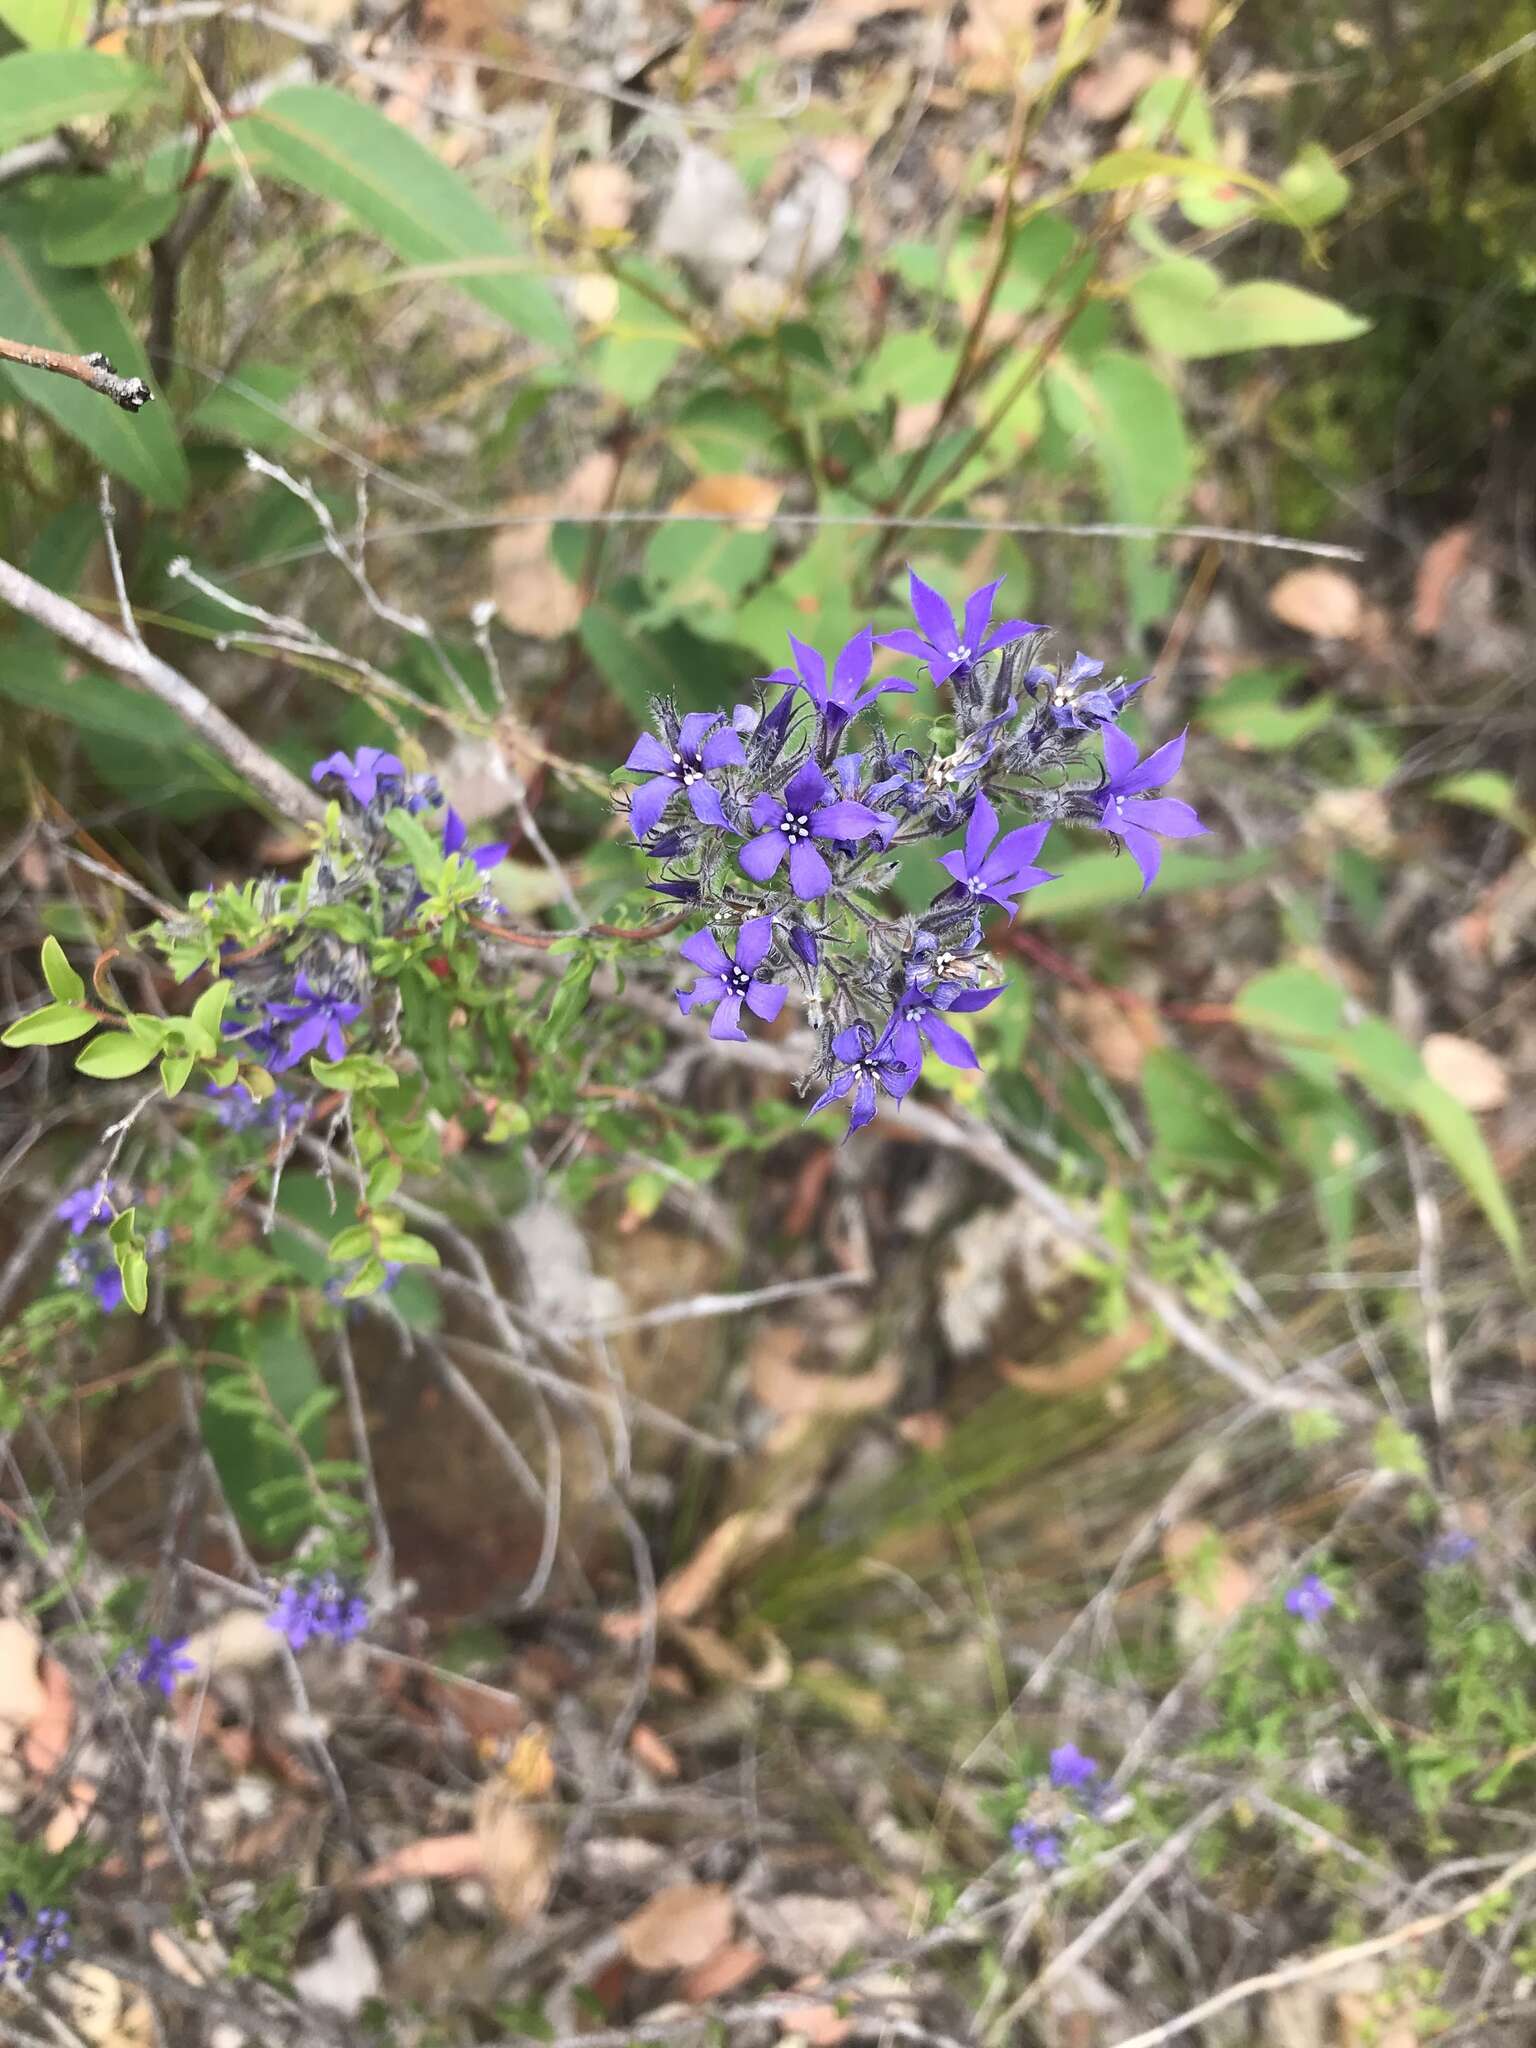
x: 927, y: 1430
x: 517, y: 1852
x: 1085, y: 1369
x: 22, y: 1694
x: 434, y: 1856
x: 1112, y: 88
x: 1439, y: 566
x: 648, y: 1749
x: 751, y: 499
x: 721, y: 1660
x: 783, y: 1387
x: 533, y: 594
x: 47, y: 1739
x: 1323, y: 602
x: 241, y: 1640
x: 1476, y: 1077
x: 680, y: 1928
x: 602, y: 196
x: 1118, y: 1035
x: 731, y: 1966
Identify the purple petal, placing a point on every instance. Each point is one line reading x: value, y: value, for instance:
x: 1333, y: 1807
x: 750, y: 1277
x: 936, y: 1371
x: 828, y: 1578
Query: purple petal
x: 335, y: 1040
x: 932, y: 614
x: 484, y: 858
x: 853, y: 1042
x: 333, y: 764
x: 905, y: 641
x: 834, y: 1092
x: 649, y: 756
x: 722, y: 750
x: 807, y: 788
x: 306, y: 1037
x: 906, y: 1045
x: 1013, y: 851
x: 726, y: 1022
x: 853, y: 664
x: 454, y: 833
x: 978, y: 609
x: 704, y: 950
x: 845, y: 821
x: 955, y: 863
x: 694, y: 730
x: 864, y: 1106
x: 647, y: 803
x: 708, y: 989
x: 1119, y: 756
x: 894, y: 686
x: 809, y: 875
x: 752, y: 943
x: 766, y: 810
x: 707, y: 807
x: 946, y: 1041
x: 765, y: 999
x: 971, y: 999
x: 1146, y: 853
x: 979, y: 834
x: 1009, y: 631
x: 1157, y: 768
x: 811, y: 671
x: 760, y: 857
x: 1165, y: 814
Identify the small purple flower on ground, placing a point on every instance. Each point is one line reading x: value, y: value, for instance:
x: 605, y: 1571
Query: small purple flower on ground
x: 791, y: 827
x: 319, y: 1609
x: 1310, y: 1600
x: 361, y: 777
x: 160, y: 1663
x: 1073, y: 708
x: 1451, y: 1547
x: 313, y: 1021
x: 868, y: 1066
x: 1070, y: 1769
x: 946, y: 645
x: 28, y: 1939
x: 86, y: 1206
x: 1129, y: 813
x: 841, y: 697
x: 920, y: 1017
x: 1042, y: 1844
x: 694, y: 752
x: 1004, y: 872
x: 731, y: 982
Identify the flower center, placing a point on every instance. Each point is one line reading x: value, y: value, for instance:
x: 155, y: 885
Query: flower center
x: 688, y: 772
x: 738, y: 981
x: 796, y: 826
x: 975, y: 884
x: 962, y: 652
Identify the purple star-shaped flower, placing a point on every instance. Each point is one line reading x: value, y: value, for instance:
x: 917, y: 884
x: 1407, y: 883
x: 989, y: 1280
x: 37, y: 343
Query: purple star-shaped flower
x: 482, y: 858
x: 161, y: 1663
x: 868, y: 1065
x: 1071, y: 1771
x: 107, y: 1286
x: 86, y: 1206
x: 919, y: 1018
x: 1042, y: 1844
x: 944, y: 644
x: 730, y: 983
x: 791, y: 827
x: 314, y: 1020
x: 1310, y: 1600
x: 1072, y: 707
x: 362, y: 776
x: 694, y: 752
x: 842, y: 696
x: 1004, y: 872
x: 1129, y: 813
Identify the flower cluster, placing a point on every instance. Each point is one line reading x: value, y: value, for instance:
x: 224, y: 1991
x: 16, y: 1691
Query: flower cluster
x: 1067, y: 1795
x: 785, y: 821
x: 1309, y: 1599
x: 319, y: 1609
x: 290, y: 1005
x: 89, y: 1260
x: 28, y: 1939
x: 160, y: 1665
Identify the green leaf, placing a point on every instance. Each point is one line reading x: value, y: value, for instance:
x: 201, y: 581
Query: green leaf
x: 722, y: 433
x: 277, y: 1355
x: 59, y: 975
x: 408, y: 1250
x: 1181, y: 305
x: 208, y: 1015
x: 637, y: 348
x: 91, y: 221
x: 1091, y: 882
x: 355, y: 1242
x: 699, y: 571
x: 47, y: 24
x: 359, y: 1071
x: 367, y: 1281
x: 1247, y: 712
x: 421, y: 848
x: 1198, y: 1128
x: 1396, y: 1449
x: 634, y: 662
x: 42, y: 89
x: 1131, y: 421
x: 384, y: 1181
x: 1484, y: 789
x: 63, y: 309
x: 115, y: 1055
x: 1122, y: 167
x: 246, y: 406
x: 175, y: 1071
x: 53, y: 1024
x: 1313, y: 190
x: 336, y: 147
x: 1455, y: 1131
x: 912, y: 368
x: 1330, y: 1138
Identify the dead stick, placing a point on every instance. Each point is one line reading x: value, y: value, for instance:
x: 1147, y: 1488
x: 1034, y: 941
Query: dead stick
x: 94, y: 371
